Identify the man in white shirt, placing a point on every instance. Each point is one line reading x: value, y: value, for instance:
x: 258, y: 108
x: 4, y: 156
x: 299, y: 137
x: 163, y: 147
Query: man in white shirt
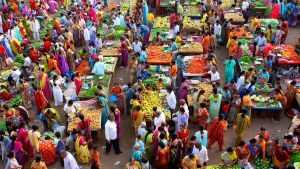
x: 69, y: 108
x: 111, y: 135
x: 201, y: 152
x: 69, y: 160
x: 87, y: 37
x: 245, y: 8
x: 159, y: 118
x: 214, y: 75
x: 27, y: 61
x: 16, y: 75
x: 137, y: 46
x: 175, y: 30
x: 218, y: 29
x: 171, y: 100
x: 240, y: 81
x: 183, y: 104
x: 35, y: 28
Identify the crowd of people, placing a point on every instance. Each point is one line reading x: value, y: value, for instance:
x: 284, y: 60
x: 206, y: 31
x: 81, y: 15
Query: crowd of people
x: 161, y: 141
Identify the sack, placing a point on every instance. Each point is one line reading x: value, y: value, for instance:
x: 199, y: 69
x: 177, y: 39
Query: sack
x: 8, y: 61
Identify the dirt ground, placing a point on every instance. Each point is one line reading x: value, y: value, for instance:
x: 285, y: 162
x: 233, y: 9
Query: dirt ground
x: 112, y: 161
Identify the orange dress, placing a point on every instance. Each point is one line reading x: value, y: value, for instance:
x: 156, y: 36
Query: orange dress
x: 206, y: 44
x: 202, y: 116
x: 163, y: 158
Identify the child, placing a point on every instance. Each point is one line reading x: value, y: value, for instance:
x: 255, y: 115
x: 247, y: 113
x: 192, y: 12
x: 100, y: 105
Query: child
x: 95, y: 160
x: 225, y: 109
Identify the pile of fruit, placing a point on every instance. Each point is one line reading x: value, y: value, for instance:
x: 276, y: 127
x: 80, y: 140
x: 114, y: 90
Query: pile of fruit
x: 191, y: 48
x: 126, y: 6
x: 150, y: 100
x: 197, y: 66
x: 157, y: 56
x: 235, y: 166
x: 261, y: 164
x: 110, y: 51
x: 207, y: 88
x: 191, y: 11
x: 237, y: 17
x: 226, y: 4
x: 153, y: 79
x: 189, y: 23
x: 84, y: 68
x: 289, y: 52
x: 93, y: 114
x: 161, y: 22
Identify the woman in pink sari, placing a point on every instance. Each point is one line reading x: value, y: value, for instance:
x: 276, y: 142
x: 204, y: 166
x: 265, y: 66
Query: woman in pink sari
x: 24, y: 139
x: 117, y: 114
x: 93, y: 14
x: 275, y: 14
x: 85, y: 125
x: 17, y: 147
x: 78, y: 83
x: 44, y: 84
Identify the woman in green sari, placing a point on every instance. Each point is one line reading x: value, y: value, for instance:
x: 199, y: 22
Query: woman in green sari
x: 215, y: 104
x: 148, y: 141
x: 104, y: 109
x: 229, y: 69
x: 240, y: 124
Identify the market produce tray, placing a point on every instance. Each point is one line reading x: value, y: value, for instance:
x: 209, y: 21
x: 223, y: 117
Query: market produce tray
x: 191, y: 11
x: 150, y: 100
x: 194, y: 48
x: 93, y: 114
x: 111, y: 52
x: 157, y: 56
x: 263, y: 102
x: 188, y: 22
x: 164, y: 33
x: 167, y: 4
x: 195, y: 65
x: 110, y: 64
x: 237, y: 17
x: 161, y: 22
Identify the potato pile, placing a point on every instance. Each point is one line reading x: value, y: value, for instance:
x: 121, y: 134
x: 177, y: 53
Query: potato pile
x: 93, y: 114
x: 191, y: 48
x: 207, y: 87
x: 235, y: 16
x: 110, y: 51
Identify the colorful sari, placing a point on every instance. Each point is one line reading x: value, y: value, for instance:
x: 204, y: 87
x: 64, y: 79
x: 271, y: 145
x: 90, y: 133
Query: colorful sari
x: 240, y: 127
x: 125, y: 53
x: 78, y: 84
x: 86, y: 127
x: 34, y: 140
x: 16, y: 147
x: 15, y: 46
x: 39, y: 101
x: 83, y: 154
x: 24, y: 139
x: 48, y: 152
x: 214, y: 107
x: 275, y: 14
x: 162, y: 160
x: 292, y: 18
x: 44, y: 84
x: 148, y: 140
x: 63, y: 65
x: 104, y: 110
x: 229, y: 70
x: 52, y: 63
x: 78, y: 35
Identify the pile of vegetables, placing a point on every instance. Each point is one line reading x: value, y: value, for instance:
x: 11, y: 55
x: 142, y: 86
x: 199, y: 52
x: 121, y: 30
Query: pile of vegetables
x: 6, y: 73
x: 191, y: 11
x: 197, y: 66
x: 266, y: 22
x: 160, y: 30
x: 236, y: 17
x: 84, y: 68
x: 261, y: 164
x: 16, y: 101
x: 19, y: 61
x: 152, y: 80
x: 235, y: 166
x: 289, y: 52
x: 50, y: 134
x: 167, y: 3
x: 245, y: 62
x: 110, y: 51
x: 161, y: 22
x: 157, y: 56
x: 191, y: 48
x: 295, y: 157
x: 89, y: 92
x: 3, y: 126
x: 126, y: 6
x: 262, y: 89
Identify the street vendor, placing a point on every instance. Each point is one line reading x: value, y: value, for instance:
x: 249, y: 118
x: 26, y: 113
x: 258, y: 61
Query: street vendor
x: 264, y: 77
x: 5, y: 93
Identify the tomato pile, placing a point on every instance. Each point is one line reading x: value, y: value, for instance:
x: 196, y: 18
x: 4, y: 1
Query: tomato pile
x: 156, y: 55
x: 197, y: 66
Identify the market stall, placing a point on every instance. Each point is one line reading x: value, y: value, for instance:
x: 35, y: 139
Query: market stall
x: 158, y: 55
x: 110, y: 64
x: 153, y: 99
x: 167, y: 6
x: 192, y: 27
x: 158, y: 71
x: 111, y: 52
x: 164, y: 33
x: 237, y: 17
x: 126, y: 6
x: 191, y: 48
x: 246, y: 62
x: 191, y: 11
x: 89, y: 88
x: 195, y: 65
x: 93, y: 114
x: 286, y: 55
x: 242, y: 33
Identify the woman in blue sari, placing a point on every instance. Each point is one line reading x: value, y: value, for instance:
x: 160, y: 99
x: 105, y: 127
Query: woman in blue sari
x: 104, y: 109
x: 145, y: 13
x: 7, y: 47
x: 293, y: 13
x: 229, y: 69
